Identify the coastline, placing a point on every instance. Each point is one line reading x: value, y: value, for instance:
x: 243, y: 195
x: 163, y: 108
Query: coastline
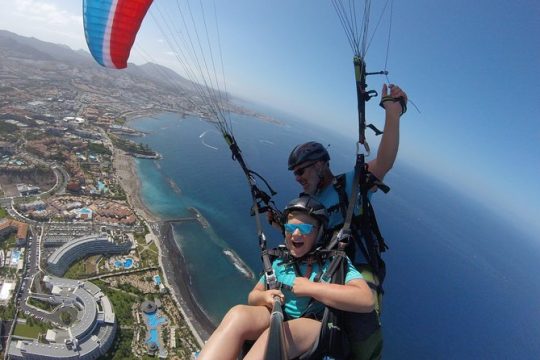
x: 171, y: 260
x: 174, y: 267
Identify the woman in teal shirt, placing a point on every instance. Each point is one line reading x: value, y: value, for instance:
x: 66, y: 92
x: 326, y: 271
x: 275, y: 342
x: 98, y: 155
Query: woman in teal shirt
x: 303, y: 298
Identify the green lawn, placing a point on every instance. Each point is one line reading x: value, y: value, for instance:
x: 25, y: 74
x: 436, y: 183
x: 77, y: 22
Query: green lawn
x: 29, y: 331
x: 8, y: 242
x: 41, y: 304
x: 77, y: 270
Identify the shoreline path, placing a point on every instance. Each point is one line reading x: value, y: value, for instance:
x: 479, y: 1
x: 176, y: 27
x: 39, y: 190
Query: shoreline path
x: 171, y: 260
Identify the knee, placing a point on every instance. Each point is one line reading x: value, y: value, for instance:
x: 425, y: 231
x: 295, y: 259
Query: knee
x: 242, y: 320
x: 238, y: 313
x: 238, y: 316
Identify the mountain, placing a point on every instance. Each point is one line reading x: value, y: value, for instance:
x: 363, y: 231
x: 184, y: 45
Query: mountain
x: 156, y: 71
x: 33, y: 71
x: 15, y: 48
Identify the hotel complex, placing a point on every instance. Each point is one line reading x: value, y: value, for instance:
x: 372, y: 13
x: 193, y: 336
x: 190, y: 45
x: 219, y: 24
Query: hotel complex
x: 9, y: 226
x: 59, y: 262
x: 89, y: 337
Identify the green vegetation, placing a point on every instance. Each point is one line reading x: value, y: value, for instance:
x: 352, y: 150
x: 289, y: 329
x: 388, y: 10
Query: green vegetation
x: 59, y: 157
x: 99, y: 149
x: 153, y: 247
x: 7, y: 128
x: 85, y: 167
x: 148, y: 257
x: 120, y: 121
x: 41, y: 304
x: 8, y: 242
x: 35, y: 135
x: 26, y: 330
x: 165, y: 334
x: 121, y: 347
x: 117, y: 192
x: 140, y: 239
x: 66, y: 318
x: 130, y: 289
x: 31, y: 329
x: 7, y: 312
x: 77, y: 270
x: 132, y: 147
x: 3, y: 213
x: 122, y: 302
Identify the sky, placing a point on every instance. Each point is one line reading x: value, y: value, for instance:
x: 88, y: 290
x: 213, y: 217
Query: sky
x: 471, y: 67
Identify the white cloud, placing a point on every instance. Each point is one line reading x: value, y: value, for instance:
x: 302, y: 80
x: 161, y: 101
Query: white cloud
x: 46, y: 13
x: 44, y: 20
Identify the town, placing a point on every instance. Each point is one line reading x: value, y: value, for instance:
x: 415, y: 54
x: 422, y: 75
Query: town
x: 81, y: 273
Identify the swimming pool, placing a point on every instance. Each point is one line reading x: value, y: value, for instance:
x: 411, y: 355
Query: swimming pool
x: 101, y: 186
x: 153, y: 321
x: 15, y: 256
x: 153, y: 337
x: 126, y: 264
x: 157, y: 280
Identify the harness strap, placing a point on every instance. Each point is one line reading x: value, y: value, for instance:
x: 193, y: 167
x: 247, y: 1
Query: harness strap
x: 368, y: 229
x: 258, y: 198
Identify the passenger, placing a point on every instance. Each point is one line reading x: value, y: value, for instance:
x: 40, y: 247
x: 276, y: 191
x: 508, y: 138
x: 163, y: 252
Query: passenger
x: 303, y: 299
x: 310, y: 165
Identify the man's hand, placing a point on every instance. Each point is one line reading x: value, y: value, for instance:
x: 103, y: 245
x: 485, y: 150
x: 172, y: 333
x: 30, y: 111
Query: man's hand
x: 393, y: 100
x: 274, y: 219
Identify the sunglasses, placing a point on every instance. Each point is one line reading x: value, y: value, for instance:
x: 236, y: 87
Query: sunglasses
x: 304, y: 229
x: 300, y: 171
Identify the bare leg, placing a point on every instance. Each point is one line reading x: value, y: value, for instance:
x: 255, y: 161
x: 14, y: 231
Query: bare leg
x: 241, y: 323
x: 300, y: 335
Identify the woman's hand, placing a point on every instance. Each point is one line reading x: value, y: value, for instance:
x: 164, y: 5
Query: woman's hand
x: 261, y: 297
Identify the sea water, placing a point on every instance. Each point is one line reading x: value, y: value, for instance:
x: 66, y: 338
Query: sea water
x: 461, y: 282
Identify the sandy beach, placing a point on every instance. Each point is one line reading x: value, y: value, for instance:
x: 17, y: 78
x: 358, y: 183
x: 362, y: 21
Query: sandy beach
x: 175, y: 275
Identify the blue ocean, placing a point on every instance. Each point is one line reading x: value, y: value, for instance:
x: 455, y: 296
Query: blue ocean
x: 461, y: 283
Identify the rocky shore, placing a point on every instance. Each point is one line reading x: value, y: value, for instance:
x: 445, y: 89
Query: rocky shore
x: 175, y: 269
x: 175, y: 274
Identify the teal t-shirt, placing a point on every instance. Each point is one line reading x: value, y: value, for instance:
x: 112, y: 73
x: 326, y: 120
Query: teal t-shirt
x: 330, y: 199
x: 296, y: 306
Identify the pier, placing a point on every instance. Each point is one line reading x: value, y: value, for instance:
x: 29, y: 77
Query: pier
x: 182, y: 219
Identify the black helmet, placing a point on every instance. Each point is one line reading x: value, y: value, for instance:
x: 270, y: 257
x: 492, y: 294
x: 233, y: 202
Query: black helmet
x: 310, y: 206
x: 309, y: 151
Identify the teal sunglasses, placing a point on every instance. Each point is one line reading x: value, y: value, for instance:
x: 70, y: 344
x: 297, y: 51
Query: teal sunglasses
x: 304, y: 229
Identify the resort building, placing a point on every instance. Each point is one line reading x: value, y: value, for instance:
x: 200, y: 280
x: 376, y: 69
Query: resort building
x: 6, y: 292
x: 33, y: 206
x: 7, y: 148
x: 59, y: 262
x: 26, y: 190
x: 58, y: 234
x: 89, y: 337
x: 9, y: 226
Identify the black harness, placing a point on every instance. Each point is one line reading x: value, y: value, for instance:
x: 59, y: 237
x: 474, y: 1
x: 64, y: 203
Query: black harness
x: 363, y: 229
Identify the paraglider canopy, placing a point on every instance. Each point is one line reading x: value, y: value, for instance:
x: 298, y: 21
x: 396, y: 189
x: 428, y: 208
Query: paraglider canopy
x: 110, y: 27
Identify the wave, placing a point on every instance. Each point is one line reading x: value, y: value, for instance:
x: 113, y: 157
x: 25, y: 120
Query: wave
x: 239, y: 264
x: 204, y: 143
x: 199, y: 217
x: 173, y: 185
